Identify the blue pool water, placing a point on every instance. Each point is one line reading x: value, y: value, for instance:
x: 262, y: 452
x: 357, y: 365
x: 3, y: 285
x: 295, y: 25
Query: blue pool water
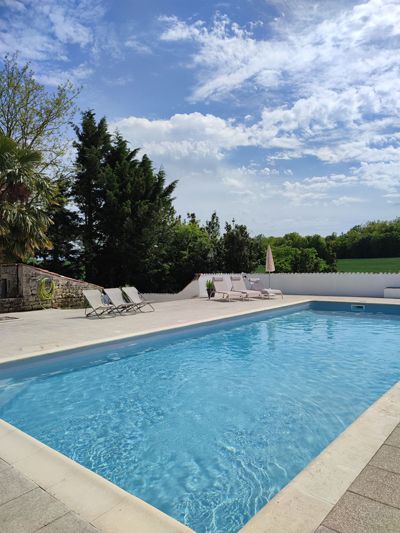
x: 208, y: 424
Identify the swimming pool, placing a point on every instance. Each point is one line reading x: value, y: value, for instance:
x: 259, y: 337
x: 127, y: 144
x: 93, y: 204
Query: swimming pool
x: 208, y: 423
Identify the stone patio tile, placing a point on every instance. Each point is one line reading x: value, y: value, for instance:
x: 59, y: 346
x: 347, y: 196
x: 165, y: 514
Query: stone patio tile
x: 13, y: 448
x: 394, y: 438
x: 30, y: 512
x: 81, y: 492
x: 388, y: 458
x: 3, y: 465
x: 290, y: 511
x: 46, y: 467
x: 323, y: 529
x: 356, y: 514
x: 69, y: 523
x: 379, y: 485
x: 13, y: 484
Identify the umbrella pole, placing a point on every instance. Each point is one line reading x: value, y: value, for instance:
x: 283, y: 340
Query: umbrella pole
x: 269, y: 279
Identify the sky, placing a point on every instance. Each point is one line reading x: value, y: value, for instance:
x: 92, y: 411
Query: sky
x: 281, y: 114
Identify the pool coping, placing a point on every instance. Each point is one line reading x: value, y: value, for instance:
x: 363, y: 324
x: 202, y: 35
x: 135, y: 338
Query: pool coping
x: 299, y: 506
x: 305, y: 501
x: 92, y: 497
x: 107, y: 340
x: 280, y: 304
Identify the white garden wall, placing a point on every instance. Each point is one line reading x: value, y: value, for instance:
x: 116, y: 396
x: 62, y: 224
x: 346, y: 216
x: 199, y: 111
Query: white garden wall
x: 334, y: 284
x: 190, y: 291
x: 327, y: 284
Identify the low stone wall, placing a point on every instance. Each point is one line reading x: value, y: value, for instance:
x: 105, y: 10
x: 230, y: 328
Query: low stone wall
x: 22, y: 287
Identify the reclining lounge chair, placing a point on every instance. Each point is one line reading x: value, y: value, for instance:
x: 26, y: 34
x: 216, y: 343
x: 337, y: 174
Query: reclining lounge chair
x: 238, y: 284
x: 117, y: 299
x: 221, y: 287
x: 137, y: 299
x: 95, y: 300
x: 257, y: 285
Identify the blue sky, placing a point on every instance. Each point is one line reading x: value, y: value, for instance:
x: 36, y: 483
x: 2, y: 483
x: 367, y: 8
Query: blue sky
x: 283, y: 114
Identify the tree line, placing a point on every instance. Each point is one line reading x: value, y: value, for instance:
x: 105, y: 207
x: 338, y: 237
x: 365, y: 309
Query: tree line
x: 109, y: 216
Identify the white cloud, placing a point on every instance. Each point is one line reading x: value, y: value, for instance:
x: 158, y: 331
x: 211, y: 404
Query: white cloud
x: 191, y: 135
x: 328, y: 77
x: 13, y: 4
x: 137, y: 46
x: 49, y: 26
x: 67, y: 21
x: 346, y: 200
x: 54, y: 77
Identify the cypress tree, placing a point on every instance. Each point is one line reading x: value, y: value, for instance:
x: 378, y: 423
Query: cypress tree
x: 93, y: 146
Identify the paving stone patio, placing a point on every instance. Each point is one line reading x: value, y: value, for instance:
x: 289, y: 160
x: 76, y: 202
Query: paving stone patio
x: 372, y: 502
x: 26, y: 508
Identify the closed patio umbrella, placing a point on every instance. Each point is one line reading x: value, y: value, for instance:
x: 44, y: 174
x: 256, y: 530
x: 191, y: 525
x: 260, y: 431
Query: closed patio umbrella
x: 269, y: 264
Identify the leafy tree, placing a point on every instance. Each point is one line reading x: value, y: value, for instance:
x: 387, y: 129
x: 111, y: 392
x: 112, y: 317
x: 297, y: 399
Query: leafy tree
x: 285, y: 258
x: 260, y: 249
x: 373, y: 239
x: 136, y: 211
x: 125, y: 207
x: 189, y: 252
x: 307, y: 260
x: 238, y: 249
x: 63, y: 255
x: 25, y: 198
x: 215, y: 256
x: 30, y: 115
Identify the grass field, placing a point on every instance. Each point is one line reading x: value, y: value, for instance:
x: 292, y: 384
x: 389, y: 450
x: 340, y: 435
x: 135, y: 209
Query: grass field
x: 382, y: 264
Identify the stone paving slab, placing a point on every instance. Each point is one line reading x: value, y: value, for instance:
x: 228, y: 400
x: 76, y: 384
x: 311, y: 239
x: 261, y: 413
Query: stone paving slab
x: 388, y: 458
x: 30, y: 511
x: 378, y: 484
x: 69, y: 523
x: 372, y: 502
x: 356, y: 514
x: 3, y: 465
x: 27, y: 508
x: 394, y: 439
x: 13, y: 484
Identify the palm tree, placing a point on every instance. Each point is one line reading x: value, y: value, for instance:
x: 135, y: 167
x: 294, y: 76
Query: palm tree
x: 25, y: 196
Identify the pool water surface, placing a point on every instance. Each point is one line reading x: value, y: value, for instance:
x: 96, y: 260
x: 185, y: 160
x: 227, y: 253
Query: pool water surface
x: 209, y: 424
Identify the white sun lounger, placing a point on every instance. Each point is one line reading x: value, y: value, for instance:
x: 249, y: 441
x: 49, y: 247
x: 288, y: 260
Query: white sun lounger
x: 95, y: 300
x: 137, y: 299
x: 221, y: 287
x: 238, y: 284
x: 256, y: 284
x: 117, y: 299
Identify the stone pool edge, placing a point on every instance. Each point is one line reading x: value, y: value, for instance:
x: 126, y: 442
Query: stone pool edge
x: 303, y: 504
x: 279, y: 305
x: 95, y: 499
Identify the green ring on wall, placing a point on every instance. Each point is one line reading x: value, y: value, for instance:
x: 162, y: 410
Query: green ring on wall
x: 46, y: 289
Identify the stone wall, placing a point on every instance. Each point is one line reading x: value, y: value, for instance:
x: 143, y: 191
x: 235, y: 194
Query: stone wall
x: 19, y: 289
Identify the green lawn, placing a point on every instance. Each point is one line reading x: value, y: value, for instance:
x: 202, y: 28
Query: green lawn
x: 382, y: 264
